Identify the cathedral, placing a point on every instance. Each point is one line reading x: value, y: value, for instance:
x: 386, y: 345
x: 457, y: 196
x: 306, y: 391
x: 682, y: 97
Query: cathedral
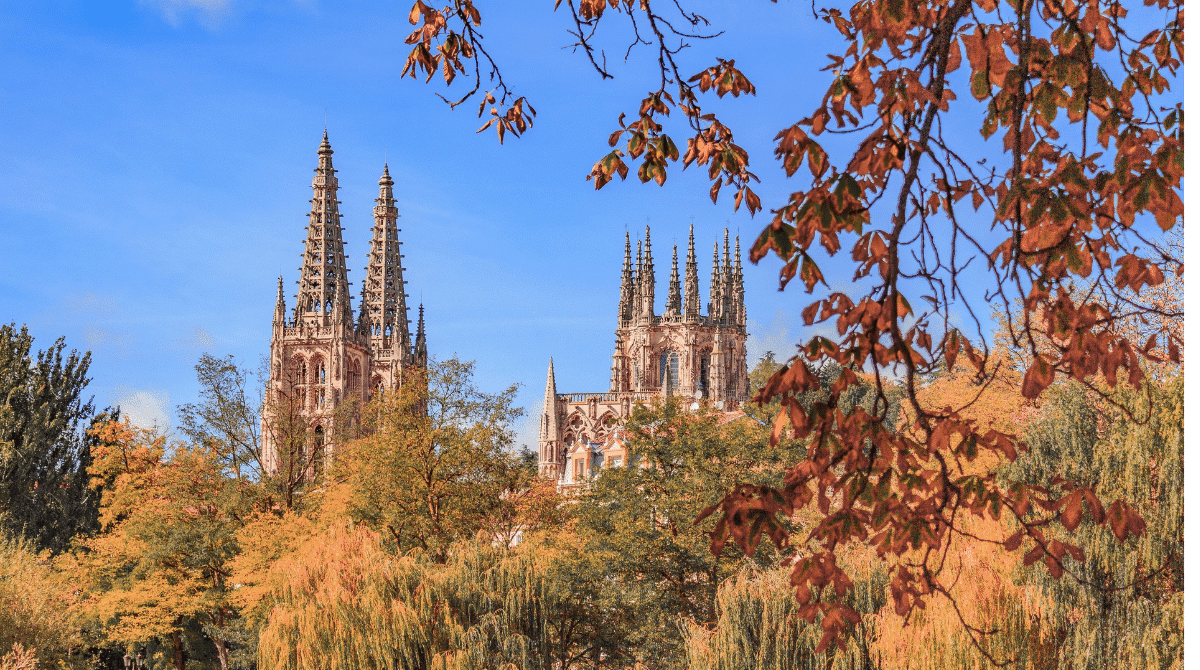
x: 680, y: 352
x: 321, y: 355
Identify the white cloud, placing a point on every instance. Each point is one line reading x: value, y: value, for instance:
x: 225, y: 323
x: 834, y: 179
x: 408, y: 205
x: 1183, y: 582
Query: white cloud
x: 146, y: 408
x: 201, y: 340
x: 97, y: 337
x: 211, y: 11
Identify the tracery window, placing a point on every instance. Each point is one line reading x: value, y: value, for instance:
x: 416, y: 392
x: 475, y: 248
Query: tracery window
x: 668, y: 361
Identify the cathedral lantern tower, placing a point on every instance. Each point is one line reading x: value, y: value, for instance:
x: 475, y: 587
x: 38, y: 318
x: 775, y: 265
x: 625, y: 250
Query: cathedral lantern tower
x: 680, y: 352
x: 322, y: 358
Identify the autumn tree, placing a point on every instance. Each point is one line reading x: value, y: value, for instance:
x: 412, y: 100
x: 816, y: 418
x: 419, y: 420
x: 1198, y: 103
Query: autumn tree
x: 1076, y: 172
x: 35, y: 606
x: 169, y: 531
x: 435, y: 465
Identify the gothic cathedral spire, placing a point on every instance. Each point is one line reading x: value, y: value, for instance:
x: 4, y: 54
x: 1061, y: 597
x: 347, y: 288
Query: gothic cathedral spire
x: 383, y: 289
x: 715, y: 286
x: 625, y: 306
x: 674, y: 302
x: 323, y: 281
x: 691, y: 286
x: 726, y: 285
x: 549, y: 435
x: 646, y: 279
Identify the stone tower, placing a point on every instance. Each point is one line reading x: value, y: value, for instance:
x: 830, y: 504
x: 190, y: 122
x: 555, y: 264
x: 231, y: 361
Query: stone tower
x: 320, y: 358
x: 680, y: 352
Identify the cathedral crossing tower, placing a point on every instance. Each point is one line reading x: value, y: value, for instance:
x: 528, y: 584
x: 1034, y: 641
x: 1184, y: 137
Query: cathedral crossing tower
x: 682, y: 352
x: 321, y: 358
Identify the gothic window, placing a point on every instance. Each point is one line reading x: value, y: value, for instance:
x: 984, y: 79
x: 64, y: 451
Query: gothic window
x: 704, y: 375
x: 321, y: 398
x: 668, y: 361
x: 321, y: 374
x: 302, y: 372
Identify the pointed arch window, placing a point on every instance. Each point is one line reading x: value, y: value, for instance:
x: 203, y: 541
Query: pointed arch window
x: 704, y: 375
x: 668, y: 362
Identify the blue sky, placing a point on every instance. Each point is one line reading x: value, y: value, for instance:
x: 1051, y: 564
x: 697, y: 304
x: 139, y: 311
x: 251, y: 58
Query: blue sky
x: 160, y: 152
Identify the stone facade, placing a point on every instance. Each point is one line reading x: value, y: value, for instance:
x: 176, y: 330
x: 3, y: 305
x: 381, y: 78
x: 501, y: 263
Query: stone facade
x: 680, y: 352
x: 321, y: 356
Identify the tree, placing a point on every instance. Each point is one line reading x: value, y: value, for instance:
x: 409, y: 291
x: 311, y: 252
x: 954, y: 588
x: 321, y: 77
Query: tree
x: 170, y: 528
x: 435, y: 465
x: 227, y: 417
x: 345, y: 601
x: 43, y: 452
x: 1096, y: 621
x: 638, y: 523
x: 1078, y: 170
x: 35, y: 599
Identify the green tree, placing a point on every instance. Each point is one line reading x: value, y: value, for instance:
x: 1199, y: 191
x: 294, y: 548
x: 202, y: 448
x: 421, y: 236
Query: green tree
x: 638, y: 523
x: 43, y: 452
x: 228, y: 415
x: 436, y: 462
x: 1124, y: 607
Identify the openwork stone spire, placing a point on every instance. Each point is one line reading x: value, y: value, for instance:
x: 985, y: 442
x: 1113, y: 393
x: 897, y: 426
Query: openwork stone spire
x: 691, y: 286
x: 726, y: 284
x: 420, y: 352
x: 625, y: 306
x: 549, y: 432
x: 323, y: 281
x: 646, y: 279
x: 674, y: 301
x: 383, y: 289
x: 715, y: 286
x: 738, y: 286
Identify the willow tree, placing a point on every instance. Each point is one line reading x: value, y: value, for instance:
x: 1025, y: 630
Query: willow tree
x: 1124, y: 606
x: 345, y: 601
x: 757, y: 627
x: 1075, y: 173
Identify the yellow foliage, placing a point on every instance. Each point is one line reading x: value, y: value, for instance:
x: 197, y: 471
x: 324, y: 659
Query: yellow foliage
x: 985, y: 582
x: 36, y: 619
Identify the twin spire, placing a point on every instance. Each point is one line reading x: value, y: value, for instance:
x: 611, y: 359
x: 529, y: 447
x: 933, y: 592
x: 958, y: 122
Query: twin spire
x: 324, y: 295
x: 726, y: 291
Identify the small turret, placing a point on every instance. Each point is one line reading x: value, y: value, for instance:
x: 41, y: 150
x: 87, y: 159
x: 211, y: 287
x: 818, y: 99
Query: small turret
x: 420, y: 353
x: 280, y: 306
